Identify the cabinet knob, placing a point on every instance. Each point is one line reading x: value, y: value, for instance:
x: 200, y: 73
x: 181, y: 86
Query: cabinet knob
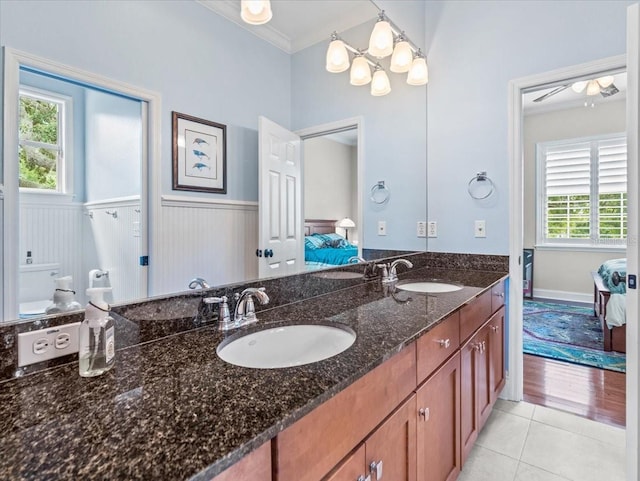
x: 495, y: 328
x: 362, y: 478
x: 499, y: 294
x: 444, y: 343
x: 376, y: 468
x: 424, y: 413
x: 484, y: 346
x: 478, y: 346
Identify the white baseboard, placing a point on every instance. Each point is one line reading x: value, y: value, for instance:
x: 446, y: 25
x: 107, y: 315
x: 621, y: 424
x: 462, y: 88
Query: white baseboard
x: 563, y: 295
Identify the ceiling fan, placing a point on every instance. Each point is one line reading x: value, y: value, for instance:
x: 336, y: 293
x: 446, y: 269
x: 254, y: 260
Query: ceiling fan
x: 602, y: 85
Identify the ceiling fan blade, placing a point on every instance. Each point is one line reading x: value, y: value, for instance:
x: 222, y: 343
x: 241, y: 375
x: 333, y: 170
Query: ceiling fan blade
x: 553, y: 92
x: 609, y: 91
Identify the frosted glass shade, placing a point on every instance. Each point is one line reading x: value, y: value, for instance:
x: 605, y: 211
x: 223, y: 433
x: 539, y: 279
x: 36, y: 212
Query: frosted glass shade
x: 381, y: 40
x: 380, y: 84
x: 337, y: 57
x: 402, y: 58
x: 255, y: 12
x: 593, y: 88
x: 605, y: 81
x: 418, y: 74
x: 360, y: 72
x: 578, y: 87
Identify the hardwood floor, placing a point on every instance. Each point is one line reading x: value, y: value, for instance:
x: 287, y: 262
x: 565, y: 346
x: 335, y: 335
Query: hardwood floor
x: 586, y: 391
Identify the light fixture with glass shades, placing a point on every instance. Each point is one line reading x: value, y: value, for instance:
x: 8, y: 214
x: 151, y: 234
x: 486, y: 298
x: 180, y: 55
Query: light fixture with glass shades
x: 386, y: 39
x: 346, y: 224
x: 255, y: 12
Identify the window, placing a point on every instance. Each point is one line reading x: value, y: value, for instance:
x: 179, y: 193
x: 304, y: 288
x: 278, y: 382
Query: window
x: 582, y: 191
x: 45, y: 164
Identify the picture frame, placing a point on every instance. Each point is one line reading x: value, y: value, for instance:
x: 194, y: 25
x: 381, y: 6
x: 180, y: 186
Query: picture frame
x: 199, y: 154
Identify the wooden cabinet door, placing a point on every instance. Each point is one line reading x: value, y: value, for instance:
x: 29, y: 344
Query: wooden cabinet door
x: 352, y: 468
x: 394, y: 445
x: 469, y: 421
x: 496, y: 354
x: 483, y: 384
x: 438, y: 430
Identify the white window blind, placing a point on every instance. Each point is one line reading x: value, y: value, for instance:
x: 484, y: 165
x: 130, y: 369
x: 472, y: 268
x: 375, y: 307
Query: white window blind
x: 582, y: 188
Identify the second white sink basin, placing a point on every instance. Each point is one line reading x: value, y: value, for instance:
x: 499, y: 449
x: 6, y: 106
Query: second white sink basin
x: 428, y: 287
x: 287, y: 346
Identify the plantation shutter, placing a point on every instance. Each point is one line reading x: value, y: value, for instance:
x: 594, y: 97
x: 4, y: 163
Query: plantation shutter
x: 568, y: 169
x: 567, y: 173
x: 612, y: 188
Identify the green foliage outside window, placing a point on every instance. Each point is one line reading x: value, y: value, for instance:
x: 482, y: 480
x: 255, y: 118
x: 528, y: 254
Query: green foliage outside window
x: 38, y: 123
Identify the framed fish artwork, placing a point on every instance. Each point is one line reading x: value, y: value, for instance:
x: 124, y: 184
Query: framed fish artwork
x: 199, y: 154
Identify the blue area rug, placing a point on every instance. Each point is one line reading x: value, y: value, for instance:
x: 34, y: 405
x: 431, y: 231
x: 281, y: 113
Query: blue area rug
x: 567, y: 333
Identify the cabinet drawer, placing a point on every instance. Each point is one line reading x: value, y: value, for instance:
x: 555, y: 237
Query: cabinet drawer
x: 497, y: 296
x: 437, y: 345
x: 255, y: 466
x: 474, y: 314
x: 311, y: 447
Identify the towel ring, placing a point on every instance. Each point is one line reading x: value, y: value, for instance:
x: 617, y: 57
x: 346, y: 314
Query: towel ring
x: 480, y: 177
x: 380, y: 193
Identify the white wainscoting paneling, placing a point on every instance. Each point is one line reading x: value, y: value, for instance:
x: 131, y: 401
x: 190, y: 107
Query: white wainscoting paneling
x: 115, y: 230
x: 207, y: 238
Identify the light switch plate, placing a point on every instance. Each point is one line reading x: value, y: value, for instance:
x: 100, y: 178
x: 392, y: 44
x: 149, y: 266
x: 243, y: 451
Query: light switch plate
x: 480, y: 228
x: 382, y: 227
x: 49, y: 343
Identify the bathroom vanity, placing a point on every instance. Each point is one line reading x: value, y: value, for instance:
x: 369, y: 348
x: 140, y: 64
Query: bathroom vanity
x: 410, y: 395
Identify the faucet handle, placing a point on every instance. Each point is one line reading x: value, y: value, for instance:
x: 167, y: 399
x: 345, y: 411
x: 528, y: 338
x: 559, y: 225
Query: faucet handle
x: 225, y: 316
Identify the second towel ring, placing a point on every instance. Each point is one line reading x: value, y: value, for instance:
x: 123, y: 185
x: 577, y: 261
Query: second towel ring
x: 480, y: 177
x: 380, y: 193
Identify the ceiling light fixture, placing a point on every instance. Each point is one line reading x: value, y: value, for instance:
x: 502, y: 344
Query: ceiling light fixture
x: 593, y: 86
x: 255, y: 12
x: 386, y: 39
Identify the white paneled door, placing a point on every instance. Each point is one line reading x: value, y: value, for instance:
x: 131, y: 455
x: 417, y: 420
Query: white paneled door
x: 280, y: 243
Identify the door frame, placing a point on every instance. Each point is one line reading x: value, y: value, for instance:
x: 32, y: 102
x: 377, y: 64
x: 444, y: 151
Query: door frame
x: 150, y: 172
x: 331, y: 128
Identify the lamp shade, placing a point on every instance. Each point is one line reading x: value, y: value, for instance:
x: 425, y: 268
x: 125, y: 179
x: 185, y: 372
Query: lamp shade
x: 255, y: 12
x: 337, y: 57
x: 380, y: 84
x: 360, y: 71
x: 381, y: 40
x: 346, y: 223
x: 401, y: 58
x: 578, y: 87
x: 605, y: 81
x: 593, y: 88
x: 418, y: 74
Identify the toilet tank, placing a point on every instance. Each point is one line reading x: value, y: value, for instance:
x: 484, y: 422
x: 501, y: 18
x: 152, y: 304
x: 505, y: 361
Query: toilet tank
x: 37, y: 281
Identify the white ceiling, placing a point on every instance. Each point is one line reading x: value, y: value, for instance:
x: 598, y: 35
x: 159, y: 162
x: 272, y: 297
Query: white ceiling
x: 567, y: 98
x: 298, y: 24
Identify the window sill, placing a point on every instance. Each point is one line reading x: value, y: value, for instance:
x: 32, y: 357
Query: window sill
x: 44, y: 197
x: 581, y: 248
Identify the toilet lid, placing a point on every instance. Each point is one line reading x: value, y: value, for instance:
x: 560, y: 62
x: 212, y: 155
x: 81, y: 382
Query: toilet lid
x: 34, y: 307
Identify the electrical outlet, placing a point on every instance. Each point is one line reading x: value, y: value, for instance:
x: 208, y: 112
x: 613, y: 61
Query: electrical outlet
x: 421, y: 229
x: 49, y: 343
x: 480, y: 228
x: 136, y: 229
x: 432, y: 229
x: 382, y: 227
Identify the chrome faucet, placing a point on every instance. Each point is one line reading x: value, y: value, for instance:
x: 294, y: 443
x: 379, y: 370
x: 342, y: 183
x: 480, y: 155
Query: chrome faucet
x: 245, y: 313
x: 369, y: 267
x: 199, y: 282
x: 206, y: 308
x: 389, y: 273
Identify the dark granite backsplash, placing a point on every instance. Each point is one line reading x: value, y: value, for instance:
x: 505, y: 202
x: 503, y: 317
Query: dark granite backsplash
x: 159, y: 317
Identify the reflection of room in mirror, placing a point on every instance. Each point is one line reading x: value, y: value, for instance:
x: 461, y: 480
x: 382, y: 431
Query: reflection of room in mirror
x: 93, y: 221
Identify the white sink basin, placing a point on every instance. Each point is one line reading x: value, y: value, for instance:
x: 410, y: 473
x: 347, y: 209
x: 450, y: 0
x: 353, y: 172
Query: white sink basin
x: 428, y: 287
x: 287, y: 346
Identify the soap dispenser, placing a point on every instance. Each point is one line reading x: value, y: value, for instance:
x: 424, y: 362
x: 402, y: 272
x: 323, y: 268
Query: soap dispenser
x: 63, y: 300
x: 97, y: 344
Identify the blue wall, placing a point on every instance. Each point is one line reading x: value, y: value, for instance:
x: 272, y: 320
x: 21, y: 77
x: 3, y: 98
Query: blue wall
x: 202, y: 65
x: 476, y: 49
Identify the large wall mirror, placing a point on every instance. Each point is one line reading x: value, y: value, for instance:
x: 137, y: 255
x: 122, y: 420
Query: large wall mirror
x: 122, y: 204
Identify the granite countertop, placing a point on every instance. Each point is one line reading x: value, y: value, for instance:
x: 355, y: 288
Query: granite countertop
x: 170, y: 409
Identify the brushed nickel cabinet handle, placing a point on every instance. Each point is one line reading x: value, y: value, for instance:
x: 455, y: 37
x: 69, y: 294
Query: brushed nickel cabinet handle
x: 444, y: 343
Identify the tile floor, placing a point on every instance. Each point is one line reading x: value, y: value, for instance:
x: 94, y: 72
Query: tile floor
x: 525, y: 442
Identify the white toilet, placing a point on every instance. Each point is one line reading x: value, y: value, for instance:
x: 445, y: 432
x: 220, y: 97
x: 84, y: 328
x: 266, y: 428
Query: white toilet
x: 36, y: 287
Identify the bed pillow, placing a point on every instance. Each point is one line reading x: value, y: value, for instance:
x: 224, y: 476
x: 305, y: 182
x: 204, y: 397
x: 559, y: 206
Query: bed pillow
x: 312, y: 242
x: 334, y: 240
